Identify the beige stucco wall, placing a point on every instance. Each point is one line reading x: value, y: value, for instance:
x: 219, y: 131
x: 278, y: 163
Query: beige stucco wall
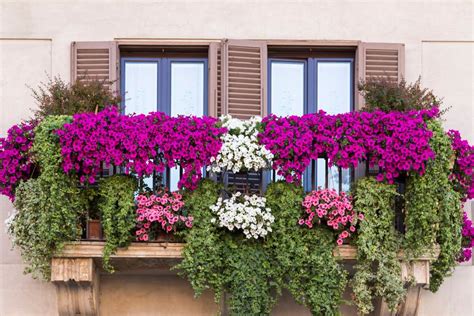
x: 35, y: 39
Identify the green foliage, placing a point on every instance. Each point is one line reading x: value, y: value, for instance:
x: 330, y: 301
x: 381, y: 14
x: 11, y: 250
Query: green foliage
x: 425, y: 194
x: 49, y: 207
x: 384, y: 94
x: 117, y: 208
x: 56, y: 97
x: 378, y: 270
x: 225, y: 262
x: 254, y: 272
x: 202, y: 263
x: 303, y: 258
x: 433, y: 209
x: 449, y: 238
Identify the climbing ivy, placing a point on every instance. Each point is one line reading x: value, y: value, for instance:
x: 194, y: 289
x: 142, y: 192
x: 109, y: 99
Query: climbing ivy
x: 117, y: 211
x: 378, y: 271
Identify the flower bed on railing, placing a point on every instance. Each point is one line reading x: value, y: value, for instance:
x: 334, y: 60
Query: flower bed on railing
x: 249, y: 246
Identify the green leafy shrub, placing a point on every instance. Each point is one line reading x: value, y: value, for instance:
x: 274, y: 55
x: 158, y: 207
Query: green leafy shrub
x: 378, y: 271
x: 117, y: 209
x: 56, y: 97
x: 382, y: 93
x: 49, y: 208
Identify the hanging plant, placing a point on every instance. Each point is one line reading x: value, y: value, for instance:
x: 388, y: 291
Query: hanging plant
x: 50, y: 207
x: 16, y: 162
x: 463, y: 171
x: 161, y: 212
x: 302, y: 259
x: 240, y: 149
x: 244, y: 212
x: 378, y: 271
x: 332, y: 209
x: 425, y: 195
x: 117, y: 209
x: 467, y: 239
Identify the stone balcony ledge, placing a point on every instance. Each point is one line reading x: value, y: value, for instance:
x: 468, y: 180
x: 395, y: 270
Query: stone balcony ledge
x: 76, y: 274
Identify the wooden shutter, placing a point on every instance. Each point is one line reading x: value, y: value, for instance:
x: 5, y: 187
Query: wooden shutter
x: 95, y: 61
x: 215, y: 79
x: 244, y: 73
x: 379, y: 60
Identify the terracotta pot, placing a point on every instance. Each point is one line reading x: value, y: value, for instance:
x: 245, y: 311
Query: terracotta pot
x: 94, y: 229
x: 164, y: 237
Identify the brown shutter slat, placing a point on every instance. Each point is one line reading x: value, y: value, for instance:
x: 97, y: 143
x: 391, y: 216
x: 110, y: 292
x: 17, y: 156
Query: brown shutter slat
x: 95, y: 61
x: 379, y: 60
x: 215, y: 105
x: 244, y: 73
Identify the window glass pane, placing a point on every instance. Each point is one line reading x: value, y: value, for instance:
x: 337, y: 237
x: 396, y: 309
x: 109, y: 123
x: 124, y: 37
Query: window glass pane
x: 187, y: 88
x: 187, y: 97
x: 141, y: 87
x: 334, y: 97
x: 141, y: 91
x: 321, y: 173
x: 287, y: 88
x: 334, y: 87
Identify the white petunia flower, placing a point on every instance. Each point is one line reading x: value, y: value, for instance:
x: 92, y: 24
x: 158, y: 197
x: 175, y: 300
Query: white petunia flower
x: 247, y: 213
x: 241, y: 150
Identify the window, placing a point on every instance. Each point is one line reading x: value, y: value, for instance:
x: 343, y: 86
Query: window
x: 175, y: 86
x: 306, y: 85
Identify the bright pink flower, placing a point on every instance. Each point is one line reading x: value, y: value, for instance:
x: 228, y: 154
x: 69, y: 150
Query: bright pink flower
x: 160, y: 211
x: 341, y: 217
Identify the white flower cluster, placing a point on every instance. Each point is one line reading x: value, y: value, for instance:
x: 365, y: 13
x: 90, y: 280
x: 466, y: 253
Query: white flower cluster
x: 244, y: 212
x: 241, y: 150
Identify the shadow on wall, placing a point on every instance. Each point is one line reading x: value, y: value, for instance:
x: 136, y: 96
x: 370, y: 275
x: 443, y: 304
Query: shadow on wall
x: 171, y: 295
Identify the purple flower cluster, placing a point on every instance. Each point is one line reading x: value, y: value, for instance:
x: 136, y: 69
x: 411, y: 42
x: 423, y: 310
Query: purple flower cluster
x: 463, y: 171
x: 141, y: 144
x: 15, y: 160
x: 467, y: 239
x: 395, y: 141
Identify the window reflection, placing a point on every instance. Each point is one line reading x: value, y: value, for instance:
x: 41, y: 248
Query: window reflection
x: 187, y: 97
x: 187, y: 88
x: 141, y: 82
x: 334, y: 87
x: 287, y: 88
x: 333, y: 92
x: 141, y: 91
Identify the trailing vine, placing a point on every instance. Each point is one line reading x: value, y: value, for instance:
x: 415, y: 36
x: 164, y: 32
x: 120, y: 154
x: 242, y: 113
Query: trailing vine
x: 433, y: 209
x: 378, y: 271
x: 253, y: 273
x: 449, y: 238
x: 425, y: 195
x: 202, y: 262
x: 117, y: 209
x: 49, y: 207
x: 225, y: 262
x: 303, y: 258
